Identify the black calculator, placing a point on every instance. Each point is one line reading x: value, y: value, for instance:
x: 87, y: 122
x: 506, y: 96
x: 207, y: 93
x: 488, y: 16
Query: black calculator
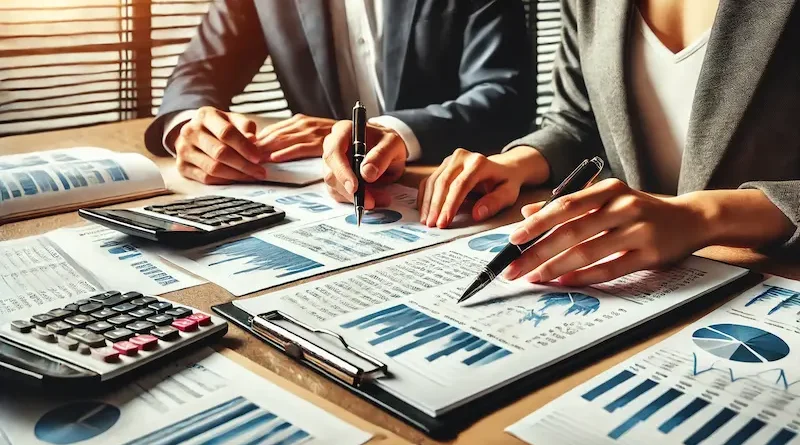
x: 99, y: 338
x: 189, y: 222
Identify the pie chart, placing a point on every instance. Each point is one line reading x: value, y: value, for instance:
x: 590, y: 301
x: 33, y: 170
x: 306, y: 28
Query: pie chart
x: 740, y: 343
x: 380, y: 216
x: 494, y: 242
x: 76, y: 422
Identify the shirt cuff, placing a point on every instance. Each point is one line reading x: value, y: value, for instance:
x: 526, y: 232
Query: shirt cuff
x: 174, y: 122
x: 413, y: 150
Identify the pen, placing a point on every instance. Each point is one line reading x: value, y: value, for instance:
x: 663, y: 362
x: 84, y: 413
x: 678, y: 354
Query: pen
x: 579, y: 179
x: 359, y: 147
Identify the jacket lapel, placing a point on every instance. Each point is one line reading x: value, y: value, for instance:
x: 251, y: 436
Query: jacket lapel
x: 741, y: 44
x: 397, y: 21
x: 317, y: 27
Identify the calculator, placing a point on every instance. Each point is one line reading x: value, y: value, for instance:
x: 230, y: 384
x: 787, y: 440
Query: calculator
x: 189, y: 222
x: 99, y: 339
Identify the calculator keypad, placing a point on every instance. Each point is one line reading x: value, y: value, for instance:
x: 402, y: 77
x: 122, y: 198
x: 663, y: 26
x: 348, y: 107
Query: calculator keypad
x: 213, y: 211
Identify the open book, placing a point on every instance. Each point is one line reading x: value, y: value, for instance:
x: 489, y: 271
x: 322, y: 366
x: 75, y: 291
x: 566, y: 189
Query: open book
x: 48, y: 182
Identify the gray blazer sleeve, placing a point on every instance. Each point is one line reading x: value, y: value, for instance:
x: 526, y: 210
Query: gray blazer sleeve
x: 568, y: 133
x: 785, y: 195
x: 227, y: 51
x: 495, y: 104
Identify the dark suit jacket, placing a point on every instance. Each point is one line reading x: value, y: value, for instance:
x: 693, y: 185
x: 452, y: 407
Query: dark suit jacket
x: 745, y: 123
x: 457, y: 72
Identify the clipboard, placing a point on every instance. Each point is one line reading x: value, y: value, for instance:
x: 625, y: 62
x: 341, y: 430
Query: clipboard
x: 447, y: 426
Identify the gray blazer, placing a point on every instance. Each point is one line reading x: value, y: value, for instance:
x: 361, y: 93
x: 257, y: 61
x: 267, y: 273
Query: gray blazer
x: 457, y: 72
x: 745, y: 122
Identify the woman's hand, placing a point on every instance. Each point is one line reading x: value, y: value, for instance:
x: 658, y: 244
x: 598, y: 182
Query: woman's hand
x: 498, y: 177
x: 627, y: 229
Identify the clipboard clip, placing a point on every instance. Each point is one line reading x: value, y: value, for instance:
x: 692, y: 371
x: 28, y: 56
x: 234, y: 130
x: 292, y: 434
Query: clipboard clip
x: 304, y: 350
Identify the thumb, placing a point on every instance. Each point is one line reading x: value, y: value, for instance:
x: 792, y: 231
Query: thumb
x: 530, y: 209
x: 490, y: 204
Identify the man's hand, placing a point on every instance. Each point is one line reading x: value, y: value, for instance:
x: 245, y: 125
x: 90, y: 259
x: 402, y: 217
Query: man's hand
x: 295, y: 138
x: 216, y: 147
x: 384, y: 163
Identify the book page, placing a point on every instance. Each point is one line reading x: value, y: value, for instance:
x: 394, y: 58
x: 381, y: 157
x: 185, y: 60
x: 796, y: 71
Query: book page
x: 732, y: 377
x: 60, y: 179
x: 442, y: 354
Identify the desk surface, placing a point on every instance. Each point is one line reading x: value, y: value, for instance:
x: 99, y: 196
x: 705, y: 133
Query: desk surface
x: 128, y: 136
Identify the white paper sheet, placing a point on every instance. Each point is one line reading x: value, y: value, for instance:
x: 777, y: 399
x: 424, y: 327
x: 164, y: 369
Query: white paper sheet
x: 301, y: 172
x: 733, y: 377
x: 441, y: 354
x: 205, y: 396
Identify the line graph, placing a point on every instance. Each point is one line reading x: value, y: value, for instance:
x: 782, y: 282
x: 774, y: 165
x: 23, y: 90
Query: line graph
x: 577, y: 304
x: 781, y: 298
x: 252, y: 254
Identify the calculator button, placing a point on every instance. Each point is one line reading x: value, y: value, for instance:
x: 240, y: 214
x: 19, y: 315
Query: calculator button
x: 231, y: 218
x: 144, y: 301
x: 121, y: 320
x: 44, y: 335
x: 145, y: 342
x: 59, y: 327
x: 132, y: 295
x: 160, y: 306
x: 84, y: 349
x: 23, y: 326
x: 124, y: 307
x: 165, y: 333
x: 82, y: 302
x: 42, y: 319
x: 79, y: 320
x: 141, y: 313
x: 201, y: 319
x: 87, y: 337
x: 107, y: 355
x: 119, y: 334
x: 185, y: 325
x: 103, y: 314
x: 179, y: 312
x: 100, y: 327
x: 126, y: 348
x: 60, y: 314
x: 113, y: 301
x: 99, y: 298
x: 160, y: 320
x: 89, y: 308
x: 72, y: 307
x: 141, y: 327
x: 70, y: 344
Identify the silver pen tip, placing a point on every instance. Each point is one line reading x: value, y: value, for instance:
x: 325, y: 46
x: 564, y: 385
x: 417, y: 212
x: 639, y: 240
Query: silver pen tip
x: 359, y: 215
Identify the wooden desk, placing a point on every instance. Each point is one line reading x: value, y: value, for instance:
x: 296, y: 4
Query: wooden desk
x: 127, y: 136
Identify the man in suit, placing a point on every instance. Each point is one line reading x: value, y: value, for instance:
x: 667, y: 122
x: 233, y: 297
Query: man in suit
x: 434, y: 75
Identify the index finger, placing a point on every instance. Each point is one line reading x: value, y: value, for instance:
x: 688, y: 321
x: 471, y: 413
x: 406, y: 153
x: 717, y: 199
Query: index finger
x: 566, y: 208
x: 334, y: 154
x: 228, y: 134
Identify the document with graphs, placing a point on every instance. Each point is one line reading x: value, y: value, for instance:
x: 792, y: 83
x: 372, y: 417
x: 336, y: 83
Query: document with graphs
x: 48, y: 182
x: 442, y: 355
x: 733, y: 377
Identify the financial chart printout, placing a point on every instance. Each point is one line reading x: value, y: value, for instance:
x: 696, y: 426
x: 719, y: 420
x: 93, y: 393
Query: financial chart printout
x: 731, y: 378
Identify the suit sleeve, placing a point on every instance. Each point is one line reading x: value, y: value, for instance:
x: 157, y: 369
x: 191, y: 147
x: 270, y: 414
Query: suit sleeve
x: 222, y: 58
x: 495, y: 103
x: 568, y: 133
x: 785, y: 195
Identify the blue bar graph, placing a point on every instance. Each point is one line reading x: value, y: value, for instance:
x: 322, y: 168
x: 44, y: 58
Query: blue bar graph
x: 631, y: 395
x: 4, y: 195
x: 419, y: 330
x: 746, y: 432
x: 115, y: 170
x: 645, y: 413
x: 683, y: 415
x: 27, y: 184
x: 399, y: 235
x: 785, y: 298
x: 44, y: 181
x: 711, y: 426
x: 260, y: 255
x: 607, y: 385
x: 783, y: 437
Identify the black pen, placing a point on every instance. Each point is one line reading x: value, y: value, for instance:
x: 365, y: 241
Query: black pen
x: 359, y: 147
x: 579, y: 179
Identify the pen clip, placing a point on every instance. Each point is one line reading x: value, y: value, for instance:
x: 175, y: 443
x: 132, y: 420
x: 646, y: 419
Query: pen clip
x: 303, y: 349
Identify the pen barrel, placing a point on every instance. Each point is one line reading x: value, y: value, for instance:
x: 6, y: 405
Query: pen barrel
x: 359, y: 125
x: 505, y: 257
x: 357, y: 160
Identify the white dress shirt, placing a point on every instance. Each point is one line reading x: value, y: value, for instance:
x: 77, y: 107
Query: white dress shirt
x: 357, y: 27
x: 664, y: 85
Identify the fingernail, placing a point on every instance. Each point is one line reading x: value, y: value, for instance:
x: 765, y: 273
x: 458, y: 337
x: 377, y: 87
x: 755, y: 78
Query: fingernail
x: 519, y: 235
x: 483, y: 212
x: 369, y: 171
x: 348, y: 185
x: 442, y: 222
x: 423, y: 217
x: 535, y: 277
x: 511, y: 273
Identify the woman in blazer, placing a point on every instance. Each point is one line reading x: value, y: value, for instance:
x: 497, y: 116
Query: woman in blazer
x: 696, y: 98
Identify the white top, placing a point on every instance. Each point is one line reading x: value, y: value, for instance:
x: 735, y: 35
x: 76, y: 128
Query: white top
x: 357, y: 28
x: 663, y: 85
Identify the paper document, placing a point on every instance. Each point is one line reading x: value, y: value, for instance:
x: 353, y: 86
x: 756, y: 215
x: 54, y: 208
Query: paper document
x: 203, y: 399
x: 302, y: 172
x: 321, y: 236
x: 730, y: 378
x: 441, y: 354
x: 45, y: 182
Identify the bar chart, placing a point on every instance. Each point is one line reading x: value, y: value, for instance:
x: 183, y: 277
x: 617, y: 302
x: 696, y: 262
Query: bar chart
x: 251, y: 254
x: 778, y: 299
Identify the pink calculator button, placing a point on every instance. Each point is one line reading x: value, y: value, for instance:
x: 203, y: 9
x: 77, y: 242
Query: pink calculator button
x: 126, y: 347
x: 146, y: 342
x: 201, y: 319
x: 185, y: 325
x: 105, y: 354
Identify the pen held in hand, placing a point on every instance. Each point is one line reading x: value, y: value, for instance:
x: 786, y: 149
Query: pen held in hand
x: 359, y: 150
